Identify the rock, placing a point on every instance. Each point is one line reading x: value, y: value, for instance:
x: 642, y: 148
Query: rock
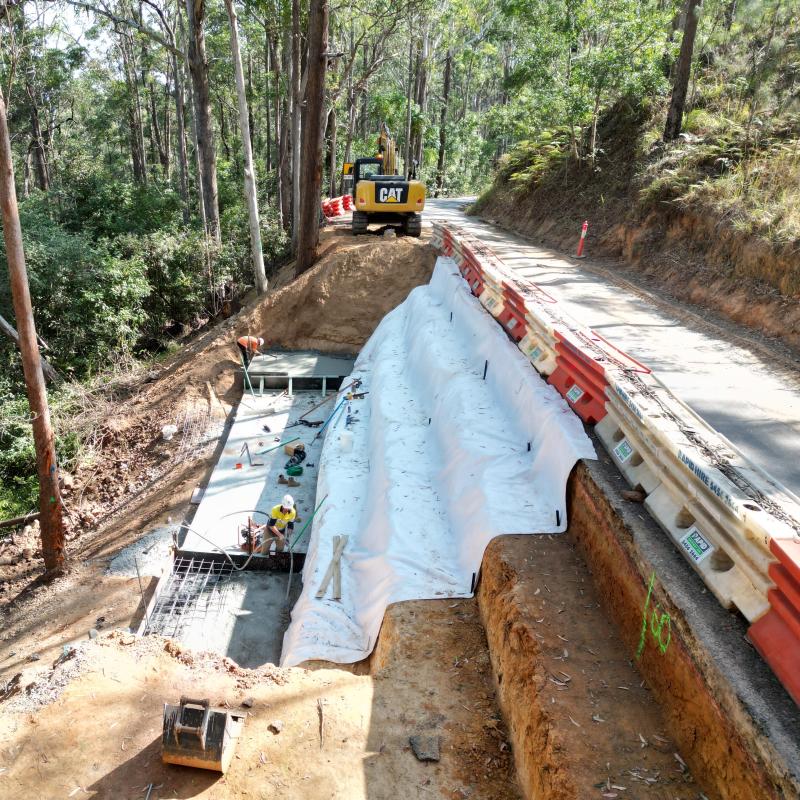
x: 390, y: 233
x: 425, y: 747
x: 168, y: 431
x: 93, y: 634
x: 276, y: 727
x: 633, y: 495
x: 27, y: 552
x: 33, y: 657
x: 66, y: 481
x: 248, y: 702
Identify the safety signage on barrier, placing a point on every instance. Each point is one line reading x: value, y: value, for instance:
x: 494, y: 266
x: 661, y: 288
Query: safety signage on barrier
x: 696, y: 546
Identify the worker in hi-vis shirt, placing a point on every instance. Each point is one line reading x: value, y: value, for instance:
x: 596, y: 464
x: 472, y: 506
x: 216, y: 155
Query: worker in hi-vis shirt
x: 249, y: 347
x: 279, y: 526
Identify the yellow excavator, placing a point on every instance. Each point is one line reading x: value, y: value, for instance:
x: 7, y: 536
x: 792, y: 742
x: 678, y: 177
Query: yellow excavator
x: 382, y: 195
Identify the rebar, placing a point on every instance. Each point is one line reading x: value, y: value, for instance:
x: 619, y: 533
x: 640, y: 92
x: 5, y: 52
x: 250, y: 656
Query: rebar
x: 195, y: 590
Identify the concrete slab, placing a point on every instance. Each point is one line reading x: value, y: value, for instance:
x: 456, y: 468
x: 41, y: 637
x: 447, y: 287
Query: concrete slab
x: 250, y: 625
x: 235, y: 493
x: 301, y: 364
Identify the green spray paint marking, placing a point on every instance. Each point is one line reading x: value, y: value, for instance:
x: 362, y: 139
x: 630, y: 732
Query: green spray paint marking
x: 657, y: 623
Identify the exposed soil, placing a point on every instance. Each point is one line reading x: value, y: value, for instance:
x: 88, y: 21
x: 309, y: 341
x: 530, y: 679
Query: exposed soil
x: 342, y: 735
x: 737, y: 731
x: 583, y: 723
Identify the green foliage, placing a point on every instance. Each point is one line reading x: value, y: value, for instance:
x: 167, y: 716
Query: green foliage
x: 87, y: 299
x: 93, y: 203
x: 19, y: 487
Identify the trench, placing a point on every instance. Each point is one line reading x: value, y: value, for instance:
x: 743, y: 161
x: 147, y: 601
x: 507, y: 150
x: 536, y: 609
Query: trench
x: 608, y: 651
x: 217, y: 592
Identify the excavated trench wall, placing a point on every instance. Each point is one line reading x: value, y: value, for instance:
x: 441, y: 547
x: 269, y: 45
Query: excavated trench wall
x: 733, y: 723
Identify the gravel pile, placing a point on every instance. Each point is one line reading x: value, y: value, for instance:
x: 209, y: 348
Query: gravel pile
x: 50, y: 686
x: 151, y: 551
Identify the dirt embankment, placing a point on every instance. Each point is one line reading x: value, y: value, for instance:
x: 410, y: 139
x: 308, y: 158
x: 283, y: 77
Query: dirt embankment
x: 692, y: 255
x: 581, y: 718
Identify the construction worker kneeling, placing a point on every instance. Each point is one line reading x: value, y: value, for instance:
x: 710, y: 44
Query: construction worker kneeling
x: 279, y: 526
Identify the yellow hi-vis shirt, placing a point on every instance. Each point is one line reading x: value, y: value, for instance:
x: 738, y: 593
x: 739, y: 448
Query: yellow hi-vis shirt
x: 281, y: 520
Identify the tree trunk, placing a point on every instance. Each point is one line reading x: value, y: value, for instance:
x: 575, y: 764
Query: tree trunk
x: 157, y: 138
x: 183, y: 161
x: 198, y: 167
x: 351, y: 124
x: 134, y: 112
x: 167, y: 131
x: 250, y: 120
x: 407, y: 168
x: 198, y: 67
x: 223, y: 131
x: 285, y: 165
x: 250, y: 191
x: 363, y: 114
x: 683, y: 69
x: 332, y: 144
x: 268, y: 98
x: 729, y: 14
x: 421, y: 97
x: 50, y: 506
x: 448, y: 63
x: 313, y: 131
x: 296, y: 112
x: 37, y: 149
x: 279, y: 133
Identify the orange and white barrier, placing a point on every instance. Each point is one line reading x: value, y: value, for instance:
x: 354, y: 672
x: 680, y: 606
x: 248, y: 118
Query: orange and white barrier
x: 737, y: 527
x: 335, y: 207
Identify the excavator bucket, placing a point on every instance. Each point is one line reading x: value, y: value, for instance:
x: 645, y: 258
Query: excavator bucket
x: 196, y: 735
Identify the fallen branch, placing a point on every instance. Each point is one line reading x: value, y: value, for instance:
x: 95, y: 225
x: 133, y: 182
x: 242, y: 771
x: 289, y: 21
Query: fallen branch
x: 9, y: 330
x: 12, y: 523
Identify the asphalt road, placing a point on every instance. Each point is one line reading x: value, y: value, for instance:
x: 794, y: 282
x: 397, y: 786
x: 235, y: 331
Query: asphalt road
x: 736, y: 390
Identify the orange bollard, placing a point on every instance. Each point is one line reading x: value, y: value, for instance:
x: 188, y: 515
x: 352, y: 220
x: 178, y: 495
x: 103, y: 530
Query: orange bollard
x: 583, y: 237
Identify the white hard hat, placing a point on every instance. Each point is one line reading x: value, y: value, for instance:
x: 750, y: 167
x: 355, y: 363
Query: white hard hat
x: 260, y: 342
x: 288, y: 501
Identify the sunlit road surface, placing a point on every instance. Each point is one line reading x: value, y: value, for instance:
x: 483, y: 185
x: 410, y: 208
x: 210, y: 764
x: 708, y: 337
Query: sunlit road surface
x: 750, y: 401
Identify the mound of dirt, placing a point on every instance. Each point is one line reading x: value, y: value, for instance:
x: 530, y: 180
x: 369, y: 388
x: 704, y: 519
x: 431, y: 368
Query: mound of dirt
x: 336, y: 305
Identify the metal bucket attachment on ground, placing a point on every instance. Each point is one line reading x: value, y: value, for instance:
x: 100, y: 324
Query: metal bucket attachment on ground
x: 196, y: 735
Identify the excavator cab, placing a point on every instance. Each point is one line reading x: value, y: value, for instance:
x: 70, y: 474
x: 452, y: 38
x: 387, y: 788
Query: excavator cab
x: 366, y: 169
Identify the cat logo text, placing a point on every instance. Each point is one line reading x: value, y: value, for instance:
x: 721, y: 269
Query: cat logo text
x: 389, y: 194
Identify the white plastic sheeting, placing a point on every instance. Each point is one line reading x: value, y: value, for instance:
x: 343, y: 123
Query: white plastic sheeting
x: 436, y: 462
